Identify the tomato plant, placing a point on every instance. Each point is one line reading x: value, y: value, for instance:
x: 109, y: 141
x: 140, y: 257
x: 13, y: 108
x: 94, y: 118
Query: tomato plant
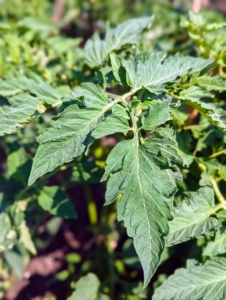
x: 147, y: 120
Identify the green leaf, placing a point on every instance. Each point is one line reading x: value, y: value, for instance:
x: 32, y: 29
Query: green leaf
x: 218, y: 246
x: 16, y: 157
x: 70, y: 133
x: 212, y: 83
x: 116, y: 122
x: 56, y: 201
x: 157, y: 114
x: 97, y: 50
x: 117, y: 68
x: 150, y: 71
x: 222, y: 172
x: 5, y: 225
x: 145, y: 177
x: 92, y: 292
x: 15, y: 261
x: 183, y: 139
x: 207, y: 282
x: 25, y: 238
x: 61, y: 44
x: 192, y: 218
x: 215, y: 114
x: 13, y: 44
x: 15, y: 117
x: 86, y: 171
x: 12, y: 85
x: 44, y: 92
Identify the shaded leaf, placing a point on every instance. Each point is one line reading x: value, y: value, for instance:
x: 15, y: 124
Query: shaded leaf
x: 57, y: 202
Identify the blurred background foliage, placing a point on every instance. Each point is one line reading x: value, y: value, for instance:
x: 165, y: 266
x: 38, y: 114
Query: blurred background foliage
x: 44, y: 248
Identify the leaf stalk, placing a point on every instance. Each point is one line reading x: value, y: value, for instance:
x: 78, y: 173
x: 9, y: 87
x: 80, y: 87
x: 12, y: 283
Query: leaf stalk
x: 218, y: 194
x: 216, y: 154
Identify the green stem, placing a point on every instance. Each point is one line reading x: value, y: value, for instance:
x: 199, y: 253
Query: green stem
x: 134, y: 123
x: 217, y: 153
x: 219, y: 196
x: 216, y: 208
x: 174, y: 96
x: 91, y: 205
x: 122, y: 98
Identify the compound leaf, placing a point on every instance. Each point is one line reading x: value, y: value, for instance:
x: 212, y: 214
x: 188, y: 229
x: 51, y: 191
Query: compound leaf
x: 144, y: 175
x: 207, y: 282
x: 97, y: 50
x: 193, y: 219
x: 70, y: 133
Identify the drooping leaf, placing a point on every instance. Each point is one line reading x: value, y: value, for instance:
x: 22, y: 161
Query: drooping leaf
x: 193, y: 219
x: 116, y: 122
x: 97, y: 50
x: 207, y: 282
x: 218, y: 246
x: 70, y: 134
x: 145, y: 177
x: 87, y: 287
x: 57, y: 202
x: 151, y: 71
x: 212, y: 111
